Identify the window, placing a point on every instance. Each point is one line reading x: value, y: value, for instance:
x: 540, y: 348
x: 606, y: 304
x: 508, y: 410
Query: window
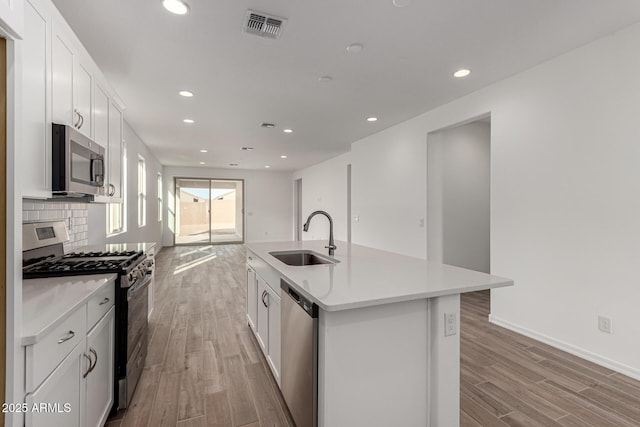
x: 116, y: 211
x: 159, y: 196
x: 142, y: 192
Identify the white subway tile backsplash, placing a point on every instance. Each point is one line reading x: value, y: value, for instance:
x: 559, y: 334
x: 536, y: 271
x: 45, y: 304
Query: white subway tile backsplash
x: 75, y: 216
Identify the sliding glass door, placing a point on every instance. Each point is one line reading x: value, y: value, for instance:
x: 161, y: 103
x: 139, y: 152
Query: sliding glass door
x: 209, y: 211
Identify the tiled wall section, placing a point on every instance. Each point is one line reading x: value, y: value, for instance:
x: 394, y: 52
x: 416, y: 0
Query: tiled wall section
x: 75, y: 215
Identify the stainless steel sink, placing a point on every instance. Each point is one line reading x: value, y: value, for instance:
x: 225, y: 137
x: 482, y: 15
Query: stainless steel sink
x: 301, y: 258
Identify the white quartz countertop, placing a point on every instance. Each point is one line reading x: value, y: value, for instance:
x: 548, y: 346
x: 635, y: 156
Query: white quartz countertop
x: 117, y: 247
x: 365, y: 276
x: 47, y: 302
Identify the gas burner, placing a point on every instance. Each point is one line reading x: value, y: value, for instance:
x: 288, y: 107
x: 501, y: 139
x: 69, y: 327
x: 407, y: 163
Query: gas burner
x: 98, y: 254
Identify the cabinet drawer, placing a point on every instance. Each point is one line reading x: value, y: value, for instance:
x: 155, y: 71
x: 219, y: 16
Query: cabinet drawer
x: 99, y: 304
x: 45, y: 355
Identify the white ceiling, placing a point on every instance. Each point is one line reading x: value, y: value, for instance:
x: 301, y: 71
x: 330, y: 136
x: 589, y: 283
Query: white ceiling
x: 241, y: 80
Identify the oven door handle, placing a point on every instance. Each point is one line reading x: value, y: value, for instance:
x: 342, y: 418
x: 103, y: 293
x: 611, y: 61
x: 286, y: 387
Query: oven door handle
x: 138, y: 286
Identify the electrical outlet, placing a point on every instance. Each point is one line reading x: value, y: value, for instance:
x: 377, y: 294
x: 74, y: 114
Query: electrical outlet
x: 421, y: 223
x: 605, y: 324
x: 450, y: 326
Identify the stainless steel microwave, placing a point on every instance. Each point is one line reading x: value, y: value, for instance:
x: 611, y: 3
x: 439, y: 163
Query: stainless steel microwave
x: 78, y: 163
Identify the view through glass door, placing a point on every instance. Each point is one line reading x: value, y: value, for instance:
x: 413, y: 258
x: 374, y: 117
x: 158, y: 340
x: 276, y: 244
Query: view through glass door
x: 209, y: 211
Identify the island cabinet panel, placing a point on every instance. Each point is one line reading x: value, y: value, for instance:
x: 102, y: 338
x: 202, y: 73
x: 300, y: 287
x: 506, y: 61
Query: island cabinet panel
x: 263, y: 310
x: 263, y: 316
x: 273, y: 302
x: 252, y: 298
x: 373, y: 366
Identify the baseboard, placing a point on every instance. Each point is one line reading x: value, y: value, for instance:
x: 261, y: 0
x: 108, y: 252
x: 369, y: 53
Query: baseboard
x: 576, y: 351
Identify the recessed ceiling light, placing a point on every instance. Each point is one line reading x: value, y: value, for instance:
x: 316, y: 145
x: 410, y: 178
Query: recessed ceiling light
x: 203, y: 151
x: 233, y: 164
x: 189, y: 121
x: 401, y: 3
x: 202, y: 163
x: 325, y: 79
x: 287, y: 130
x: 186, y: 93
x: 462, y: 73
x: 372, y: 119
x: 267, y: 166
x: 247, y: 148
x: 283, y: 157
x: 355, y: 48
x: 176, y: 6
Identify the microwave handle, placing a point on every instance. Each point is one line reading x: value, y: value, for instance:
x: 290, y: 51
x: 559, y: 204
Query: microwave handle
x: 97, y: 170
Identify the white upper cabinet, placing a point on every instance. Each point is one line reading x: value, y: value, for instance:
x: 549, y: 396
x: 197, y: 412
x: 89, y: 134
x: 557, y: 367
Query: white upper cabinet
x: 62, y: 84
x: 11, y: 17
x: 101, y: 117
x: 82, y: 85
x: 36, y: 147
x: 62, y: 78
x: 115, y: 152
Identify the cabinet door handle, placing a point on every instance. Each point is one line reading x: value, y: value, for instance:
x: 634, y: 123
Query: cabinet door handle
x: 81, y: 120
x: 88, y: 370
x: 70, y: 335
x: 75, y: 125
x: 265, y: 295
x: 95, y: 362
x: 104, y: 301
x: 112, y: 190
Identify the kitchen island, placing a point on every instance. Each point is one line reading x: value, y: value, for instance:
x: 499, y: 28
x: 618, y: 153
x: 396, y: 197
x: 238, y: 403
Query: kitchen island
x: 388, y: 344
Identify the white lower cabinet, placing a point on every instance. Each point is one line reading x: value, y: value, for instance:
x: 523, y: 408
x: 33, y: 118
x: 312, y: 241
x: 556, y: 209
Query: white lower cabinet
x: 77, y: 391
x: 99, y: 381
x: 273, y: 356
x: 252, y: 298
x: 59, y: 401
x: 263, y: 315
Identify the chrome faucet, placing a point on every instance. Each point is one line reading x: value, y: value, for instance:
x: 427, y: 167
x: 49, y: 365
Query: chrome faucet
x: 332, y: 247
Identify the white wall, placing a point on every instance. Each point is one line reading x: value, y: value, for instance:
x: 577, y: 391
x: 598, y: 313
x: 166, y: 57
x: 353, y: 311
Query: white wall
x: 565, y: 195
x: 267, y: 198
x: 389, y: 179
x: 324, y: 187
x: 458, y: 182
x: 152, y: 231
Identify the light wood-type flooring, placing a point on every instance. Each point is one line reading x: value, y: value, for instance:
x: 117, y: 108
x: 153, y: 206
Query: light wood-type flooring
x: 204, y: 367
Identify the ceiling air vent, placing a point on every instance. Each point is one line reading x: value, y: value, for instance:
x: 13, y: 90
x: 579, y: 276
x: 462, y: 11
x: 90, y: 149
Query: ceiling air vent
x: 263, y: 25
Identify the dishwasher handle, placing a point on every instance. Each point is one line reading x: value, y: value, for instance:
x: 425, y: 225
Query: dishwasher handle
x: 309, y: 307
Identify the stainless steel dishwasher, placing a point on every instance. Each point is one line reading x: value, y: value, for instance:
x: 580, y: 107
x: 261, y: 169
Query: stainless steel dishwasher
x: 299, y: 368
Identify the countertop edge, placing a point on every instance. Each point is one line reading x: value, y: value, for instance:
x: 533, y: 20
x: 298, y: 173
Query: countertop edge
x: 413, y: 297
x: 34, y: 337
x: 275, y: 264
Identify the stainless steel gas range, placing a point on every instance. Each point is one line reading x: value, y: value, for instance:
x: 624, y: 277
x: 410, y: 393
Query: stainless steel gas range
x: 44, y: 256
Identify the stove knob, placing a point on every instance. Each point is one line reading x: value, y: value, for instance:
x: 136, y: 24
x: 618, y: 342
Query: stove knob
x: 131, y: 278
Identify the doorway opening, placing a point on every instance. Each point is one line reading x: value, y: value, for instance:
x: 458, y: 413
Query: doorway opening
x: 458, y: 195
x: 209, y: 211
